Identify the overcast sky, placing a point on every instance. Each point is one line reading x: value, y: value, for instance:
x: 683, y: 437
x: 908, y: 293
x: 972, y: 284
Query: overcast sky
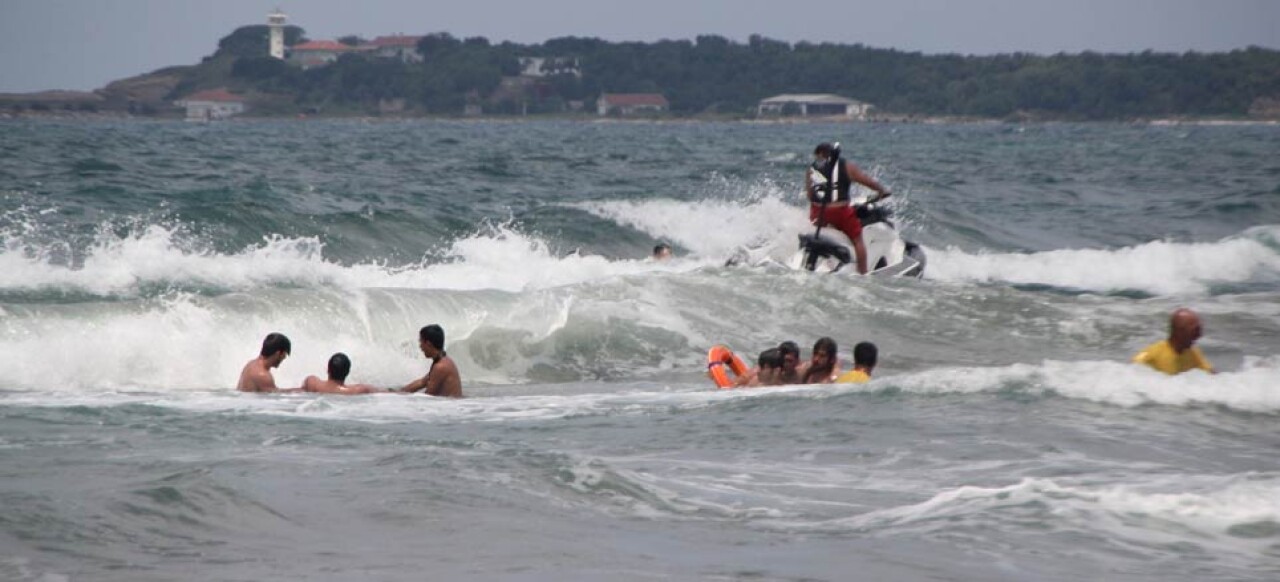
x: 83, y: 44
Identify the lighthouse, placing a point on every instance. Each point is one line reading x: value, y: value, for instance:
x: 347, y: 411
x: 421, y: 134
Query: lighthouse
x: 275, y: 21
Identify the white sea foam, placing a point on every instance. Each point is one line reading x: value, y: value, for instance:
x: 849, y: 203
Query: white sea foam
x: 710, y: 228
x: 1159, y: 267
x: 1216, y: 508
x: 495, y: 258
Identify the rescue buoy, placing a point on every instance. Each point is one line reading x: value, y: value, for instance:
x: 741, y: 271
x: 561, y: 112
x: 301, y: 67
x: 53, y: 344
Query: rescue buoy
x: 719, y: 358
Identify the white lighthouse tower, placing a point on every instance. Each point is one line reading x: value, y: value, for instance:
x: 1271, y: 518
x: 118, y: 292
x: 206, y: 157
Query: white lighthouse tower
x: 275, y: 21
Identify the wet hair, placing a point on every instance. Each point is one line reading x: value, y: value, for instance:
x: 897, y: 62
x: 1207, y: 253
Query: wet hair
x: 828, y: 150
x: 789, y: 347
x: 770, y: 358
x: 275, y: 342
x: 660, y: 248
x: 432, y: 334
x: 339, y: 367
x: 826, y: 345
x: 864, y: 354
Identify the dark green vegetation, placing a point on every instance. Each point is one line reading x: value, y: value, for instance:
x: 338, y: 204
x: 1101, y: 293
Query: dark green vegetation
x: 715, y: 76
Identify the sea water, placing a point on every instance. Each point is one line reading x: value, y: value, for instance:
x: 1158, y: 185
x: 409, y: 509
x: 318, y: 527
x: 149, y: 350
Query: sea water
x: 1004, y: 435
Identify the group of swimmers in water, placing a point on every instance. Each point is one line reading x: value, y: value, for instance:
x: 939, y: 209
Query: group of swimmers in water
x: 442, y: 379
x: 777, y: 366
x: 781, y: 365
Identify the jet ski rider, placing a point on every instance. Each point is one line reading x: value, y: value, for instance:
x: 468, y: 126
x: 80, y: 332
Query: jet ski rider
x: 827, y: 185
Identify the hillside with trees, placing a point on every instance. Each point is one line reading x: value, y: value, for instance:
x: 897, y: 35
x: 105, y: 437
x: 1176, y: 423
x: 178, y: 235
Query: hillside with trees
x: 715, y: 76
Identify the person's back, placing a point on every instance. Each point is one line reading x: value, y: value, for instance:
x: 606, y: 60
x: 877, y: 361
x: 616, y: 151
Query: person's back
x: 1164, y: 357
x: 1178, y: 353
x: 339, y: 368
x: 864, y: 361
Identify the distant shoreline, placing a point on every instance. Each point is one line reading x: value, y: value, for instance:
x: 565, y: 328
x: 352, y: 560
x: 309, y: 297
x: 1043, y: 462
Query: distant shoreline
x: 83, y: 116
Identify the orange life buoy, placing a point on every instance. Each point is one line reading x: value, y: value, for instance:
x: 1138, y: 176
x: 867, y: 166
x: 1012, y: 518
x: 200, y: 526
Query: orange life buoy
x: 720, y: 357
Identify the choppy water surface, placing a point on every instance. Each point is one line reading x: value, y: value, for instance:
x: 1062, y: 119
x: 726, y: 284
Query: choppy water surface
x: 1004, y: 436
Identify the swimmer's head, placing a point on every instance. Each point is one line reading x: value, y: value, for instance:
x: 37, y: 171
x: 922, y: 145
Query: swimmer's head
x: 769, y: 367
x: 770, y: 358
x: 790, y: 354
x: 1184, y: 329
x: 339, y: 367
x: 824, y: 352
x: 433, y: 336
x: 864, y: 354
x: 275, y: 343
x: 662, y: 251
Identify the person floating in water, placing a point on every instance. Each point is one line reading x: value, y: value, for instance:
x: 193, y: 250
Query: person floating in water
x: 827, y: 185
x: 661, y: 252
x: 256, y: 375
x: 339, y: 369
x: 768, y: 370
x: 792, y: 372
x: 823, y: 366
x: 864, y: 361
x: 443, y: 378
x: 1178, y: 353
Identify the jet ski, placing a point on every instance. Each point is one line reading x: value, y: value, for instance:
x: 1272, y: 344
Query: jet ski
x: 829, y: 250
x: 888, y: 254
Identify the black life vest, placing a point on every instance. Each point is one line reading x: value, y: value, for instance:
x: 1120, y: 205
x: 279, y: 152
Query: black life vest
x: 828, y: 189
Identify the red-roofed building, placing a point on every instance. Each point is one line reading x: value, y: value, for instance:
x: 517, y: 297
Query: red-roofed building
x: 631, y: 103
x: 397, y: 46
x: 211, y: 104
x: 317, y: 53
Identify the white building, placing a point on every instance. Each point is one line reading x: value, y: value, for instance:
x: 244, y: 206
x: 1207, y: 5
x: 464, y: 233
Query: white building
x: 211, y: 105
x: 317, y: 53
x: 275, y: 21
x: 625, y: 104
x: 545, y: 67
x: 404, y: 48
x: 806, y: 105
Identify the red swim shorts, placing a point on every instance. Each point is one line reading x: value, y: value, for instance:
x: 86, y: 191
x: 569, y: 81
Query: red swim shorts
x: 843, y: 218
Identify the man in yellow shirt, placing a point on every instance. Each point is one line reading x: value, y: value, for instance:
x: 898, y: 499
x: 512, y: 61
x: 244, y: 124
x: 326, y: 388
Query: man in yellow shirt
x: 1178, y: 353
x: 864, y: 360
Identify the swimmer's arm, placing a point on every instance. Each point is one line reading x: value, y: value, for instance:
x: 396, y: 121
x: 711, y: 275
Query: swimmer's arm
x: 416, y: 385
x: 1203, y: 363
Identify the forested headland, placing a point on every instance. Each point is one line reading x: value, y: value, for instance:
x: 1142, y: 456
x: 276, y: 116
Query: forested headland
x: 712, y: 76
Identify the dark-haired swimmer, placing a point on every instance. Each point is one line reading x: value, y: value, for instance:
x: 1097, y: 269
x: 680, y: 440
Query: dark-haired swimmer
x: 443, y: 378
x: 768, y: 368
x: 791, y: 372
x: 823, y: 367
x: 661, y: 252
x: 256, y: 375
x: 864, y: 361
x: 339, y: 369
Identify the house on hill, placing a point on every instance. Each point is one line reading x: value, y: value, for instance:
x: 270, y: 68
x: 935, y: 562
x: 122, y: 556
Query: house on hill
x: 404, y: 48
x: 316, y: 53
x: 212, y: 104
x: 547, y: 66
x: 807, y: 105
x: 627, y: 104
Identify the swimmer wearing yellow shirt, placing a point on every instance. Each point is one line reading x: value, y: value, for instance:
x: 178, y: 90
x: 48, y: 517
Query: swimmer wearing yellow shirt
x: 864, y: 360
x: 1178, y: 353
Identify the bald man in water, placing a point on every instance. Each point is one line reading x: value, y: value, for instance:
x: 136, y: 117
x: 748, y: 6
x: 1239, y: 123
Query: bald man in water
x: 1178, y: 353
